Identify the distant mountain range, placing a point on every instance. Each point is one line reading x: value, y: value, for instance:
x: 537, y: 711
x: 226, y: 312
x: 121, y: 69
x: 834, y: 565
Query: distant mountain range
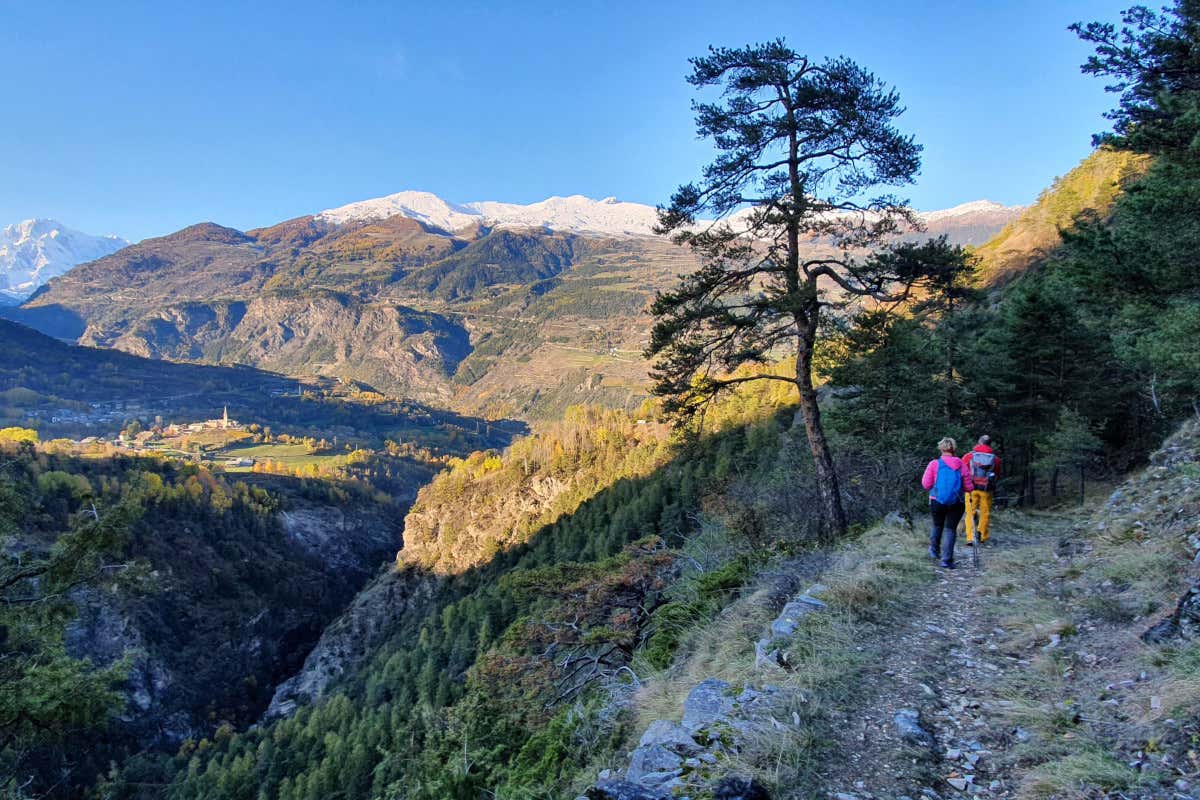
x: 36, y: 250
x: 494, y: 308
x: 607, y: 217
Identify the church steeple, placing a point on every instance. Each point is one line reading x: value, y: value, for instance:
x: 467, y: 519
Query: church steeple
x: 225, y: 418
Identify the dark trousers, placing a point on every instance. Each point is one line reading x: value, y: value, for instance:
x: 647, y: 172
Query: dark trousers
x: 945, y: 528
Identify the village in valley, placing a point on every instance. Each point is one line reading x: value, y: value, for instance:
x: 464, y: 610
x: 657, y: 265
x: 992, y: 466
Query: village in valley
x: 222, y: 442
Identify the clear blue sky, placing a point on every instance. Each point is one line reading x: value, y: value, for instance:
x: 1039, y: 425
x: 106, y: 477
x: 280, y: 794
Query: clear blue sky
x: 139, y: 119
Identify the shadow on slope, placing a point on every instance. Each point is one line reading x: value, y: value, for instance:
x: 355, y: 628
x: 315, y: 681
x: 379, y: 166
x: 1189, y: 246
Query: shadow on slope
x: 91, y: 383
x: 435, y: 683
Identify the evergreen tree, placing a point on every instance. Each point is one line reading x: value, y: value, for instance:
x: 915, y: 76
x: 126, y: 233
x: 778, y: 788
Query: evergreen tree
x: 802, y: 144
x: 1153, y: 61
x: 45, y: 694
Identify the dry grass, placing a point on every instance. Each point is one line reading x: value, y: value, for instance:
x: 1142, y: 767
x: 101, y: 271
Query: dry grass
x: 1077, y: 775
x: 866, y: 585
x: 1072, y: 594
x: 1098, y: 696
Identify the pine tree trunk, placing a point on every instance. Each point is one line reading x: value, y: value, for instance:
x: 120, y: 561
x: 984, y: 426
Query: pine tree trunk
x: 827, y: 481
x: 1054, y: 484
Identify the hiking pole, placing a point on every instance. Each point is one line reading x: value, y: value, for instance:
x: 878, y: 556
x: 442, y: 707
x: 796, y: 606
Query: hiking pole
x: 976, y: 543
x: 976, y: 546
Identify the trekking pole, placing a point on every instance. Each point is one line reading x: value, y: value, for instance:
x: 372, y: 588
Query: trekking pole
x: 976, y: 545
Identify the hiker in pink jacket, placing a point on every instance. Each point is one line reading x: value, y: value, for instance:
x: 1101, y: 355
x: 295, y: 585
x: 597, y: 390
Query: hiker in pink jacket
x: 946, y: 479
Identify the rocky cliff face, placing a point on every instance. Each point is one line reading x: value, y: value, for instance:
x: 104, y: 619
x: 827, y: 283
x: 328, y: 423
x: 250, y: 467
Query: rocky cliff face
x: 387, y: 346
x: 201, y: 658
x: 355, y: 635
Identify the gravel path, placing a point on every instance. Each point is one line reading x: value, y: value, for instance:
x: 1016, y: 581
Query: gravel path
x: 942, y: 662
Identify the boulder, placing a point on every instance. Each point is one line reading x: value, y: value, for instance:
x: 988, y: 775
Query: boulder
x: 670, y: 735
x: 767, y: 650
x: 789, y: 619
x: 652, y: 760
x: 709, y: 701
x: 738, y: 788
x: 1184, y: 622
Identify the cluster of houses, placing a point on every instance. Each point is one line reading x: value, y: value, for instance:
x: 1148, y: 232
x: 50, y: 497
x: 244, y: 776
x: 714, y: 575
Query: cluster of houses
x: 143, y: 440
x: 224, y: 423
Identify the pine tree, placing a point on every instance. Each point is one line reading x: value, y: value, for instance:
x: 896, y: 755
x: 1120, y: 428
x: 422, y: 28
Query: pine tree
x: 803, y: 145
x: 1153, y: 61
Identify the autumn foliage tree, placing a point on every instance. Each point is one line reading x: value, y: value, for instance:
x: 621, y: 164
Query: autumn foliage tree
x: 806, y: 150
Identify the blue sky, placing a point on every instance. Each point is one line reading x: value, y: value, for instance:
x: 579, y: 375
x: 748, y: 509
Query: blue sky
x: 141, y: 118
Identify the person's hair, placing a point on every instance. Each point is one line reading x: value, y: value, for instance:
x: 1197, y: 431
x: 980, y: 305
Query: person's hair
x: 985, y: 439
x: 947, y: 445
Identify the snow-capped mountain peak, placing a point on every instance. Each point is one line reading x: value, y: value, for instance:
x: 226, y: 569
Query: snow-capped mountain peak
x: 36, y: 250
x: 965, y: 209
x: 424, y: 207
x: 576, y: 213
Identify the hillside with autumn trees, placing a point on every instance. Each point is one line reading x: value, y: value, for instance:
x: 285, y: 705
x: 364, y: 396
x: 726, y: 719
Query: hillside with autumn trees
x: 748, y: 546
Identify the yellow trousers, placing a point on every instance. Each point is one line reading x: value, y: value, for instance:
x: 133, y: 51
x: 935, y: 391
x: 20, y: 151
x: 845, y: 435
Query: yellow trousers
x: 981, y: 502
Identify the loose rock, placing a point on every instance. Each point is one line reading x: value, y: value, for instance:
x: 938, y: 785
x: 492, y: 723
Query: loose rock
x: 908, y: 725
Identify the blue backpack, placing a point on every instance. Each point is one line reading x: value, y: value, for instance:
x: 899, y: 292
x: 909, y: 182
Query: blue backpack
x: 948, y: 488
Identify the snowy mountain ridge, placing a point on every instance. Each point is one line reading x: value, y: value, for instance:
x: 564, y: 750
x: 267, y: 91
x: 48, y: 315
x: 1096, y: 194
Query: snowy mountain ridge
x: 36, y: 250
x: 576, y: 214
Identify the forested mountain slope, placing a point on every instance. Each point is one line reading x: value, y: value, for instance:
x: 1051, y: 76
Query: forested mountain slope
x: 554, y: 529
x: 1090, y: 188
x: 214, y: 591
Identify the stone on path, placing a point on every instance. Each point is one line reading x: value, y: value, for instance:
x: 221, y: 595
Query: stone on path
x: 908, y: 725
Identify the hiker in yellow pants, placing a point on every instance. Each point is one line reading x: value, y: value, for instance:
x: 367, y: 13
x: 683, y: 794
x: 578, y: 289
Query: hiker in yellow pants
x: 985, y: 470
x: 980, y: 501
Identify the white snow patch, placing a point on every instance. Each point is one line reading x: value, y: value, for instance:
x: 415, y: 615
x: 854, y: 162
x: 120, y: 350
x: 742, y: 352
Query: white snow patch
x: 968, y: 209
x: 36, y: 250
x: 576, y: 214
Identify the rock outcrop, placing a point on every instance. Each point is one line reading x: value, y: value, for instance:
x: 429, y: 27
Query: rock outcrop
x: 354, y: 635
x: 1183, y: 623
x: 772, y: 647
x: 692, y: 757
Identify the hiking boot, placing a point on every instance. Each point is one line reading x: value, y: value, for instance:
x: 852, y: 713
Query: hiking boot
x: 946, y: 565
x: 933, y: 553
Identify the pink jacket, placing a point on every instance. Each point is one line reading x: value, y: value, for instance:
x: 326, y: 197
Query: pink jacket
x: 953, y: 462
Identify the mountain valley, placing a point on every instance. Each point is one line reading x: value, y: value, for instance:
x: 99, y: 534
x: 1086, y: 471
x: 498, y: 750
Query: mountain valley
x: 410, y: 295
x: 578, y: 499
